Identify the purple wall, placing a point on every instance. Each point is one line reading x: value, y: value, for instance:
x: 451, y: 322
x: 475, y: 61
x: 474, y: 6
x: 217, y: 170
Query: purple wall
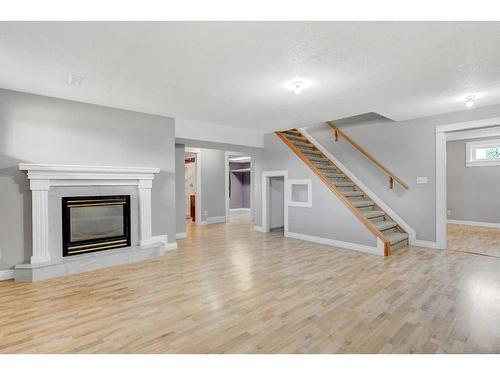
x: 240, y: 186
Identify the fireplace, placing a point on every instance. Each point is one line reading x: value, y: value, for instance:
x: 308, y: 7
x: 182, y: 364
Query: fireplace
x: 95, y: 223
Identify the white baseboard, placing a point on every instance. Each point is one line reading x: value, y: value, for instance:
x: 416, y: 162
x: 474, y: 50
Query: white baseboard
x: 180, y: 235
x: 344, y: 245
x: 374, y: 197
x: 155, y: 239
x: 258, y: 228
x: 424, y: 243
x: 171, y: 246
x: 239, y: 209
x: 6, y: 274
x: 474, y: 223
x: 215, y: 220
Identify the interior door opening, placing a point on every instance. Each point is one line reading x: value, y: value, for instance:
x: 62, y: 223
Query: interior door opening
x: 276, y: 203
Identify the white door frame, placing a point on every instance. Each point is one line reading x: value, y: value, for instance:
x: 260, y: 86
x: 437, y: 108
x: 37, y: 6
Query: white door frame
x: 265, y: 198
x: 442, y: 134
x: 229, y: 154
x: 197, y: 151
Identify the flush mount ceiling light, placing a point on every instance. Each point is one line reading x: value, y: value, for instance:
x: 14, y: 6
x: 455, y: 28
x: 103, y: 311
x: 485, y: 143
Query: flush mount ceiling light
x: 298, y: 85
x: 470, y: 101
x: 75, y: 81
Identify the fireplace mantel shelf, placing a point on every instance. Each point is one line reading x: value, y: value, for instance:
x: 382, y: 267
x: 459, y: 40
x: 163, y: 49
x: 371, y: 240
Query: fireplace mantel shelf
x: 44, y: 176
x: 61, y: 172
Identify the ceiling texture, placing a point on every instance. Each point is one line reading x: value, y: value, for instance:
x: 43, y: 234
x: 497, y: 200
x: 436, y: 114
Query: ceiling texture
x: 234, y: 73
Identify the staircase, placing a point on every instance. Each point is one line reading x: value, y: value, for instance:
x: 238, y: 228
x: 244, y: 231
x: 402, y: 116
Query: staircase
x: 372, y: 216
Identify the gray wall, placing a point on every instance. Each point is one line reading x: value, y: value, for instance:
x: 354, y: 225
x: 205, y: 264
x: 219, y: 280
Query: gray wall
x: 213, y: 173
x: 472, y: 191
x: 407, y: 148
x: 180, y: 190
x: 38, y: 129
x: 327, y: 218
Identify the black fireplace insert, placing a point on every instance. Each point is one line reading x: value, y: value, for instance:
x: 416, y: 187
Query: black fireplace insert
x: 95, y: 223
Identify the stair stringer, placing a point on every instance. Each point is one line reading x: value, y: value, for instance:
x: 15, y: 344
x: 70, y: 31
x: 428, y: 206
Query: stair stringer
x: 386, y: 208
x: 382, y: 246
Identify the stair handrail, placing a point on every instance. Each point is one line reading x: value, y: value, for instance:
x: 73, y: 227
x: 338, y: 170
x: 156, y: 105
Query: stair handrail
x: 392, y: 176
x: 369, y: 225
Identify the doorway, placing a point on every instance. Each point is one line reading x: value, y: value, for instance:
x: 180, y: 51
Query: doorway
x: 470, y: 129
x: 276, y: 203
x: 274, y: 198
x: 473, y: 182
x: 239, y: 186
x: 192, y: 186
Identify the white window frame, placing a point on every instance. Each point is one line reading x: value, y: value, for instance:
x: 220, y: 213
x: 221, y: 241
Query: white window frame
x: 470, y: 151
x: 293, y: 203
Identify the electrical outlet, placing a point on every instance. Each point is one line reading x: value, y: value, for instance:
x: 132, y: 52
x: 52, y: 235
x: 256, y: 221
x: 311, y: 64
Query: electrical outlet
x: 448, y: 212
x: 206, y: 213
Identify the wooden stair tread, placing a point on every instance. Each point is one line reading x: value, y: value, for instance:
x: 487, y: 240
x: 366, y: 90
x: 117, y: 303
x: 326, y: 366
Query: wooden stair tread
x: 374, y: 214
x: 384, y: 225
x: 355, y: 198
x: 363, y: 203
x: 345, y: 184
x: 396, y: 237
x: 355, y: 193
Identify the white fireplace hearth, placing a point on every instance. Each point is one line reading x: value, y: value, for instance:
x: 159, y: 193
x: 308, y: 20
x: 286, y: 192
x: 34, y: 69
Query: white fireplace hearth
x: 44, y: 177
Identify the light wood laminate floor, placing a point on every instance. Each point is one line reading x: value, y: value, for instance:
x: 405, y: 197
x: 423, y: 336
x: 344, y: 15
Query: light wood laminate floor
x: 474, y: 239
x: 228, y: 289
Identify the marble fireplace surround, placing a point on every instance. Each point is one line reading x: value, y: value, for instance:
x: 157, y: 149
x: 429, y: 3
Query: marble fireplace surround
x: 44, y: 176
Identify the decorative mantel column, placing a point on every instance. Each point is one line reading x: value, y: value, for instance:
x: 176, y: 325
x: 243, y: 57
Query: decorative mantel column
x: 40, y: 220
x: 43, y: 176
x: 145, y: 211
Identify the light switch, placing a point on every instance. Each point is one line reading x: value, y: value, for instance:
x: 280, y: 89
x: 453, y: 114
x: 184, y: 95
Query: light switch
x: 421, y: 180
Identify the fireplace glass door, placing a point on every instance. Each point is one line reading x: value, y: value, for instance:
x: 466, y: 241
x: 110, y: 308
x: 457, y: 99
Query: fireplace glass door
x: 95, y: 223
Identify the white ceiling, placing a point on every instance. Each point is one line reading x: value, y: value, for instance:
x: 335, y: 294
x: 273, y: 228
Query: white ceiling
x: 232, y: 73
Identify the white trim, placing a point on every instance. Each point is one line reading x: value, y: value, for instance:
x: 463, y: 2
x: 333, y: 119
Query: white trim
x: 293, y: 203
x: 425, y: 243
x: 239, y: 209
x: 470, y: 148
x: 265, y: 198
x: 441, y: 235
x: 178, y: 236
x: 475, y: 124
x: 474, y: 223
x: 376, y: 250
x: 411, y: 232
x: 441, y: 194
x: 57, y: 168
x: 43, y: 176
x: 171, y: 246
x: 472, y: 134
x: 163, y: 238
x: 215, y: 220
x: 6, y: 274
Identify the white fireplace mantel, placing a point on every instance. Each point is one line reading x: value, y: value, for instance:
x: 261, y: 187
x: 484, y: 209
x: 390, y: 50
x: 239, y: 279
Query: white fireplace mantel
x: 43, y: 176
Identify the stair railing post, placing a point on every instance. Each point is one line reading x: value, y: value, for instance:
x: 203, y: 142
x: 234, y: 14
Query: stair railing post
x: 391, y: 182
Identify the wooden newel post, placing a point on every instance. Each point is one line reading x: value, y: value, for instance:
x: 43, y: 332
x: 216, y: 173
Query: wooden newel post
x: 391, y: 182
x: 336, y: 135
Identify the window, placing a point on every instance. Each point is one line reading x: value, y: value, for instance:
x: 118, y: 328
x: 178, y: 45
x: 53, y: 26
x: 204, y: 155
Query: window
x: 482, y: 153
x: 300, y: 193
